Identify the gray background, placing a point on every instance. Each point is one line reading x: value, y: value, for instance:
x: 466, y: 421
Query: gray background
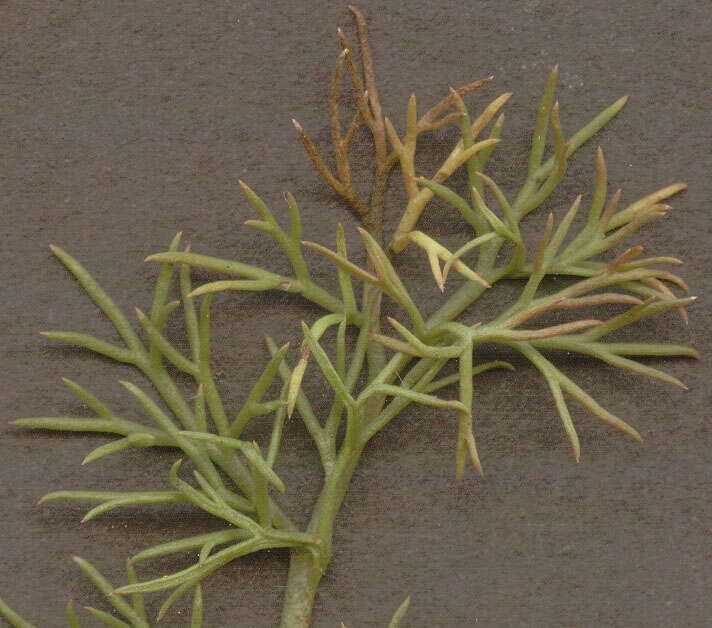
x: 122, y: 123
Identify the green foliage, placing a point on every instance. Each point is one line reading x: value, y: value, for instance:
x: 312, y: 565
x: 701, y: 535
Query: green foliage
x: 232, y: 480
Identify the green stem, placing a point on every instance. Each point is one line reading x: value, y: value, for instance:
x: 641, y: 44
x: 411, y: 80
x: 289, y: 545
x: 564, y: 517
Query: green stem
x: 305, y: 570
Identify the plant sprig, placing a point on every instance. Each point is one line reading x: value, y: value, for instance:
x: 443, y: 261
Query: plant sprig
x: 374, y: 379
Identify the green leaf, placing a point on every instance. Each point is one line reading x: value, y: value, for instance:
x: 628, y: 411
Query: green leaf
x: 164, y: 347
x: 542, y: 123
x: 136, y: 497
x: 257, y: 392
x: 191, y: 319
x: 201, y: 417
x: 113, y: 426
x: 164, y: 497
x: 137, y: 440
x: 158, y: 310
x: 254, y: 285
x: 212, y: 396
x: 15, y: 620
x: 100, y: 297
x: 453, y: 199
x: 455, y: 377
x: 196, y: 619
x: 163, y: 420
x: 93, y: 344
x: 90, y: 400
x: 399, y: 614
x: 173, y: 597
x: 327, y: 367
x: 389, y: 278
x: 247, y: 449
x: 198, y: 572
x: 422, y: 398
x: 343, y: 263
x: 421, y: 348
x: 215, y: 264
x: 190, y: 543
x: 136, y: 598
x: 217, y: 507
x: 106, y: 588
x: 71, y: 615
x: 564, y: 413
x: 347, y: 291
x: 106, y: 618
x: 594, y: 408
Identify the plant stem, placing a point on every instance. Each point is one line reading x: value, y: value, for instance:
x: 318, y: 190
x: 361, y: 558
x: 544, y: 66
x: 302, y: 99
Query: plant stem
x: 304, y: 570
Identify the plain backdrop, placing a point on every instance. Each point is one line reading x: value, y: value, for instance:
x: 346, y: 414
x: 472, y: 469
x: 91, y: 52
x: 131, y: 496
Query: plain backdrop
x: 123, y: 123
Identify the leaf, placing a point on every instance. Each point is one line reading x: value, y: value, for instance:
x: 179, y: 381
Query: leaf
x: 254, y: 285
x: 423, y: 349
x: 15, y: 620
x: 253, y: 404
x: 216, y: 264
x: 436, y: 251
x: 343, y: 263
x: 100, y: 297
x: 136, y: 598
x: 564, y: 414
x: 246, y: 448
x: 627, y: 214
x: 106, y: 618
x: 93, y: 344
x: 399, y: 614
x: 542, y: 123
x: 196, y: 619
x: 90, y: 400
x: 72, y: 424
x: 134, y: 497
x: 295, y: 381
x: 454, y: 199
x: 198, y: 572
x: 71, y: 615
x: 107, y: 589
x: 190, y: 543
x: 347, y: 291
x: 173, y: 597
x: 327, y: 367
x: 157, y: 498
x: 164, y: 347
x: 136, y: 439
x: 594, y: 408
x: 388, y: 276
x: 399, y: 391
x: 454, y: 260
x: 455, y: 377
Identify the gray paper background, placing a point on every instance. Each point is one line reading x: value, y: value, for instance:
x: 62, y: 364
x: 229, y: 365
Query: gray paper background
x: 122, y: 123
